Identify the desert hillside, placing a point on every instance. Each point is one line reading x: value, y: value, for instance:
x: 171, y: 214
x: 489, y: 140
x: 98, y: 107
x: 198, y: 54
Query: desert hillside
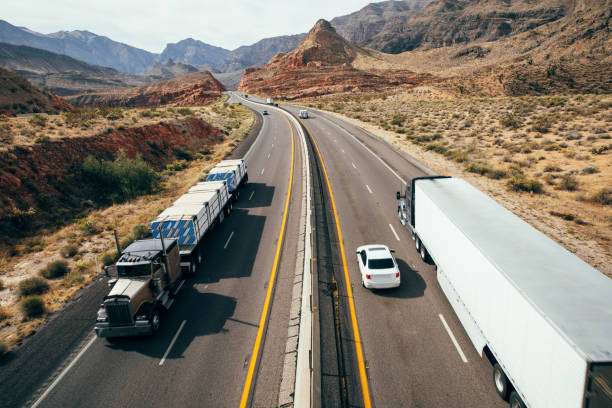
x: 192, y: 89
x: 324, y: 63
x: 18, y: 96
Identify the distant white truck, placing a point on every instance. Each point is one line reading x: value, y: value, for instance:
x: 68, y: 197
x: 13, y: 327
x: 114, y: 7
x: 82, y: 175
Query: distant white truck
x: 233, y: 172
x: 303, y: 114
x: 270, y: 101
x: 189, y: 218
x: 540, y: 314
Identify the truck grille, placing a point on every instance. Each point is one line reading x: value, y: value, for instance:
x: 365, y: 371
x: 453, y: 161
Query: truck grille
x: 119, y: 313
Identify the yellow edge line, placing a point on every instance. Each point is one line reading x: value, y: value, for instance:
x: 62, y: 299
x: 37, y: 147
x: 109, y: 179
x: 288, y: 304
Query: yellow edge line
x: 362, y: 372
x: 266, y: 307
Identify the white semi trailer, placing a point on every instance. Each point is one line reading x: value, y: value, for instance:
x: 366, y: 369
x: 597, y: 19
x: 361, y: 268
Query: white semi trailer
x: 190, y: 217
x: 233, y: 172
x: 540, y: 314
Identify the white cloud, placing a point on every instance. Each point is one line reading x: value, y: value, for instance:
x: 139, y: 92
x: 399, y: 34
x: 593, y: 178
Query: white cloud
x: 151, y: 24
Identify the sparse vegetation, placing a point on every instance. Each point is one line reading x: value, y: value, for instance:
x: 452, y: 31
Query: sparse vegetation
x: 121, y: 179
x: 603, y: 196
x: 55, y: 269
x: 69, y: 250
x: 35, y: 285
x: 568, y: 182
x: 3, y: 347
x: 33, y: 307
x: 521, y: 183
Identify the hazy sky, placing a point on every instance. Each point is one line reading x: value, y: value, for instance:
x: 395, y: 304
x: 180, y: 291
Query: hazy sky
x: 151, y: 24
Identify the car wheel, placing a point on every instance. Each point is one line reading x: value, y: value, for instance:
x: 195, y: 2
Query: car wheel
x: 155, y: 320
x: 516, y: 401
x: 501, y: 383
x: 363, y: 283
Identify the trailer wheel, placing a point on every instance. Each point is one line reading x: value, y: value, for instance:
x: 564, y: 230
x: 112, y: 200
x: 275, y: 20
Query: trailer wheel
x: 228, y: 209
x: 423, y: 252
x: 500, y: 381
x: 516, y: 401
x: 155, y: 320
x: 198, y: 257
x: 417, y: 243
x: 192, y: 268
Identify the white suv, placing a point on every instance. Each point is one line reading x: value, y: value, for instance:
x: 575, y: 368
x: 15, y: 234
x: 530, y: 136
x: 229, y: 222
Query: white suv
x: 378, y: 267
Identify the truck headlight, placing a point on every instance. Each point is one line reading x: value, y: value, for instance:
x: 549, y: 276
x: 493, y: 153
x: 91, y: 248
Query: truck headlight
x: 102, y: 316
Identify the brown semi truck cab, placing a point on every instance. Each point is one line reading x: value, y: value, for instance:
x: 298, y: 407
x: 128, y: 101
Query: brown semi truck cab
x: 148, y: 278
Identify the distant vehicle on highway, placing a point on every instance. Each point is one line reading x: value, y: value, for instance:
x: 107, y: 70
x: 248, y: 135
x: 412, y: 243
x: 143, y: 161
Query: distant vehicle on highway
x: 270, y: 101
x: 246, y: 96
x: 265, y: 112
x: 303, y: 114
x: 541, y: 315
x: 378, y: 267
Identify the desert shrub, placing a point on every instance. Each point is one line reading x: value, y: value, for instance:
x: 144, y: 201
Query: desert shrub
x: 601, y: 149
x: 185, y: 111
x: 108, y: 258
x: 140, y: 231
x: 521, y: 183
x: 543, y: 123
x: 33, y: 307
x: 121, y: 179
x: 478, y: 168
x: 3, y: 347
x: 398, y: 119
x: 55, y: 269
x: 565, y: 216
x: 39, y: 120
x: 69, y: 250
x: 4, y: 314
x: 77, y: 117
x: 110, y: 113
x: 90, y: 227
x: 551, y: 168
x: 33, y: 286
x: 511, y: 121
x: 568, y: 182
x: 1, y: 285
x: 73, y: 278
x: 603, y: 196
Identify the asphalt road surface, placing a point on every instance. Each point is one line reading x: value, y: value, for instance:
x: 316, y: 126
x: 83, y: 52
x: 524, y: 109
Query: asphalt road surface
x: 200, y: 357
x: 410, y: 357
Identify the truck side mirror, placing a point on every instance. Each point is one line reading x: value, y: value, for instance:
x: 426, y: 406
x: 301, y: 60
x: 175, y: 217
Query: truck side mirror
x: 398, y: 195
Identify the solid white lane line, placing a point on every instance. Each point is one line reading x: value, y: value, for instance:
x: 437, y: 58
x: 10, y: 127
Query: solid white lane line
x: 354, y: 165
x: 369, y: 150
x: 228, y: 240
x: 394, y: 233
x: 172, y: 343
x: 268, y: 155
x: 251, y: 196
x: 368, y: 187
x: 453, y: 339
x: 63, y: 374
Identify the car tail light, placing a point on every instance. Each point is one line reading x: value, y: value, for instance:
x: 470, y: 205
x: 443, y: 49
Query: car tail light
x: 397, y: 275
x: 368, y: 276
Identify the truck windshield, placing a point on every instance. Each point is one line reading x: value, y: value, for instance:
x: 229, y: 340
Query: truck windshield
x: 134, y: 270
x: 386, y: 263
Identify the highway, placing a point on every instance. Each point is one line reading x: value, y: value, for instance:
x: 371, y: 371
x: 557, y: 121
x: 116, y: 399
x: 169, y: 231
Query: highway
x: 408, y: 334
x: 201, y: 355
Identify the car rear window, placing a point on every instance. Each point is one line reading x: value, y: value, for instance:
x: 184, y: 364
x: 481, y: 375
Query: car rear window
x: 384, y: 263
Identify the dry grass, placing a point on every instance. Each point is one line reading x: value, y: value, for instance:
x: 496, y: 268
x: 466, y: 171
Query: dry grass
x: 555, y: 146
x: 92, y: 235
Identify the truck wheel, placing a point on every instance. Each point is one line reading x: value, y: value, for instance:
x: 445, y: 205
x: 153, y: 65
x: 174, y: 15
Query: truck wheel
x: 399, y: 215
x: 228, y: 209
x: 500, y: 381
x: 192, y: 268
x: 516, y: 401
x: 155, y: 320
x: 423, y: 252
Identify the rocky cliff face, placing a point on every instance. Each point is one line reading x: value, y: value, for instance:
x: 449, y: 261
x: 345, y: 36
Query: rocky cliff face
x: 169, y: 69
x: 361, y: 26
x: 194, y: 52
x: 325, y: 63
x: 17, y: 96
x: 448, y: 22
x: 197, y: 88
